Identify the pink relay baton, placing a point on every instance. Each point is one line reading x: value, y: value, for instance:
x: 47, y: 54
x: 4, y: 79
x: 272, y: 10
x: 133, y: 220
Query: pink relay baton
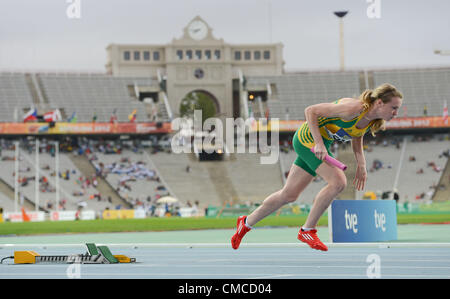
x: 333, y: 161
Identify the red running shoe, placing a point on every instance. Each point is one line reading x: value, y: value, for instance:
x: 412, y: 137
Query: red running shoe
x: 240, y: 232
x: 310, y: 238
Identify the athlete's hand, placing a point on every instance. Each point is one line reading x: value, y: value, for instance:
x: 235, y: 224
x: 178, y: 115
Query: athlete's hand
x: 360, y: 177
x: 320, y: 151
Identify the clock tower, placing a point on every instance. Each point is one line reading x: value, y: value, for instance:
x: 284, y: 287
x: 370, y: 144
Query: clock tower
x: 197, y: 62
x: 197, y: 29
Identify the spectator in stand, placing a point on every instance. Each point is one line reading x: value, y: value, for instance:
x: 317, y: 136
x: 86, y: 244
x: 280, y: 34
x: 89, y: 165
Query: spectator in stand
x: 434, y: 166
x: 396, y: 195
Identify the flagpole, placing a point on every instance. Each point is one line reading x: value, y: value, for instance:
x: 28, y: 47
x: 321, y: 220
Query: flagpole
x: 57, y: 173
x: 16, y: 176
x: 445, y: 113
x: 36, y: 177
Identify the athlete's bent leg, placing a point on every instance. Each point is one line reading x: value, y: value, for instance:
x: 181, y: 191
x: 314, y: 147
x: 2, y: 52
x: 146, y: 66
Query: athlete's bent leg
x: 296, y: 182
x: 336, y: 184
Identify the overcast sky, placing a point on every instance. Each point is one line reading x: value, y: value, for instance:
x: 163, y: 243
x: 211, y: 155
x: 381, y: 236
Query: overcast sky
x: 38, y: 35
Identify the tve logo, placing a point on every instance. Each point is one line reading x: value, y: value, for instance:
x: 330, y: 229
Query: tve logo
x: 362, y: 220
x: 380, y: 220
x: 351, y: 221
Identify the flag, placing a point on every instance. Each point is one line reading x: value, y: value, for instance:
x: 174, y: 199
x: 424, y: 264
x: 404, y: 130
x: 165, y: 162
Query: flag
x: 52, y: 116
x: 94, y: 118
x: 30, y: 115
x: 48, y: 117
x: 445, y: 113
x: 113, y: 118
x: 73, y: 118
x: 25, y: 217
x: 132, y: 116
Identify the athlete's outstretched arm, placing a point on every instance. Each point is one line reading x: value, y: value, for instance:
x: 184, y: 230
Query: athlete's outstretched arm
x: 361, y: 171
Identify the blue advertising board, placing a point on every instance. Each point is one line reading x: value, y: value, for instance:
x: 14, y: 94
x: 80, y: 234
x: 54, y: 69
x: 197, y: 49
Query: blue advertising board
x: 362, y: 220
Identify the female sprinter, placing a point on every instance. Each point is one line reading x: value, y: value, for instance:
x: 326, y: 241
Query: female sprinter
x: 345, y: 119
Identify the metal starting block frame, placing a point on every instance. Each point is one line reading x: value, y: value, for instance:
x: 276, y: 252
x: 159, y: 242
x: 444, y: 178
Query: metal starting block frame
x: 94, y: 255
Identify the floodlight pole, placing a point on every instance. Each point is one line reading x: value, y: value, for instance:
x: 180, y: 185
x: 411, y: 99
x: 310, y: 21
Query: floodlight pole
x: 341, y: 15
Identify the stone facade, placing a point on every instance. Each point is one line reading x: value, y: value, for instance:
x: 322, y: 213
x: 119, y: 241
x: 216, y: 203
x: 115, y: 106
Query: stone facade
x: 198, y: 62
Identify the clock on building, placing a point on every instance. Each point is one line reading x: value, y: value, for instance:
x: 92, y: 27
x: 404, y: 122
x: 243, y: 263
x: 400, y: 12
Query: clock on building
x: 197, y: 30
x: 199, y: 73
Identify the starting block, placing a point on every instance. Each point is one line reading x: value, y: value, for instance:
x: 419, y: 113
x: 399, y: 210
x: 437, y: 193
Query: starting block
x: 94, y: 255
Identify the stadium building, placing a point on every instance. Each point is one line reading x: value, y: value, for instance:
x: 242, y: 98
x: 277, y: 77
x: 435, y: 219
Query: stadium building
x: 197, y: 62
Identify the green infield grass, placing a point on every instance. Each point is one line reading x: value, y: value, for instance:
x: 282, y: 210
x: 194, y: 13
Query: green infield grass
x: 178, y: 223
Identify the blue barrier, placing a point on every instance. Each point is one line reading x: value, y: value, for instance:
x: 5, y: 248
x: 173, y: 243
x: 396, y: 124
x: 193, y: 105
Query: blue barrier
x: 362, y: 220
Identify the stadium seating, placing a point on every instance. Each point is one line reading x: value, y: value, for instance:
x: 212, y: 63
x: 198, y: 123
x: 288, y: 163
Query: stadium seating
x: 6, y: 203
x: 100, y: 94
x: 69, y: 188
x: 239, y: 179
x: 133, y: 176
x: 96, y: 94
x: 15, y: 96
x: 293, y: 92
x: 85, y: 94
x: 252, y: 180
x: 188, y: 184
x: 420, y: 87
x: 411, y: 181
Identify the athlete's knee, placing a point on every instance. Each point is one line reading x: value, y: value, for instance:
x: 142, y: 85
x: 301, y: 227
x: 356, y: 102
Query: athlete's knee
x: 338, y: 183
x: 288, y: 196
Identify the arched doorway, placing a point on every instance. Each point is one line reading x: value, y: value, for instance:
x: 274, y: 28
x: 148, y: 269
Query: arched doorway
x: 199, y: 100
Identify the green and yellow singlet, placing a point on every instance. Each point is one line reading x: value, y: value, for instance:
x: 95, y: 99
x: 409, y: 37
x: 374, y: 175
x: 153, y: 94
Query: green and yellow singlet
x: 333, y: 128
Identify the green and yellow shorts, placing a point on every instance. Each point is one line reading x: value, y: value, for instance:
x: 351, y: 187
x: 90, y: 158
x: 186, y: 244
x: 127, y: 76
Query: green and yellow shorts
x: 305, y: 158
